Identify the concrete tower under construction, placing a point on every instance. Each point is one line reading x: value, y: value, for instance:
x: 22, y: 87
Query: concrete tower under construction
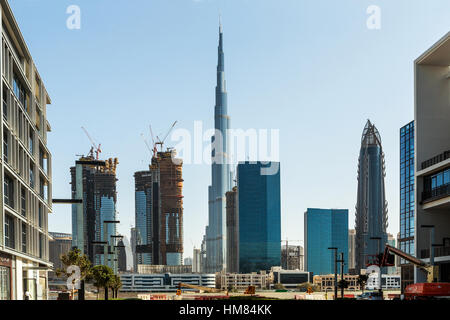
x: 371, y: 208
x: 216, y: 242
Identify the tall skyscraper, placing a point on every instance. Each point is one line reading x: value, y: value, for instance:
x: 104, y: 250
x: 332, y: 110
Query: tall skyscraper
x: 196, y: 261
x: 94, y: 181
x: 407, y: 189
x: 325, y: 228
x: 232, y: 232
x: 143, y: 217
x: 220, y: 172
x: 26, y: 168
x: 371, y: 207
x: 259, y: 216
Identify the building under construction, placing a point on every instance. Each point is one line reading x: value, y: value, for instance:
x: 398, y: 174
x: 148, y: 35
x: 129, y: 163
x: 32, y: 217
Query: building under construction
x: 94, y: 182
x: 160, y: 231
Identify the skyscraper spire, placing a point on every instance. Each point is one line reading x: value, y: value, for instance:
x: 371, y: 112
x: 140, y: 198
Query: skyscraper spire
x: 220, y: 172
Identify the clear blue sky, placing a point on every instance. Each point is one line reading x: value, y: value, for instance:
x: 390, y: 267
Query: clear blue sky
x: 309, y: 68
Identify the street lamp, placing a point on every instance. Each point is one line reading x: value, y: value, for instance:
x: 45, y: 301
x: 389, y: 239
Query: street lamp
x: 335, y: 270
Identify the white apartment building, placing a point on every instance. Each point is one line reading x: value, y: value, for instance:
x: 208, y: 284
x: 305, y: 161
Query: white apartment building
x: 25, y: 168
x: 432, y: 160
x: 241, y: 281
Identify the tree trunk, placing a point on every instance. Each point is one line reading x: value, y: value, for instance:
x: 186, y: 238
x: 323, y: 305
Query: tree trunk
x: 106, y: 293
x: 81, y: 291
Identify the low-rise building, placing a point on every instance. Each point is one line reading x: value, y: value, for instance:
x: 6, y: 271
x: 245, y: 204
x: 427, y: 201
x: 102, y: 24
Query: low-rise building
x: 229, y: 281
x: 288, y: 278
x: 326, y: 282
x: 158, y: 269
x: 165, y: 282
x: 388, y: 281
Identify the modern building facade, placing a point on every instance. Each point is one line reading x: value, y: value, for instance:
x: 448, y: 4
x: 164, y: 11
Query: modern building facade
x: 216, y: 241
x: 325, y: 228
x: 167, y: 282
x: 259, y: 212
x: 121, y: 257
x: 290, y: 279
x: 326, y: 282
x: 432, y: 158
x: 152, y: 269
x: 407, y: 202
x: 26, y: 170
x: 133, y: 240
x: 94, y: 220
x: 232, y: 232
x: 292, y: 257
x: 143, y: 215
x: 371, y: 207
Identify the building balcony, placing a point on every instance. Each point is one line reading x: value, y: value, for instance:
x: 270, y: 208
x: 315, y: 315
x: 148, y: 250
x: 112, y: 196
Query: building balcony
x: 435, y: 160
x: 436, y: 194
x: 438, y: 252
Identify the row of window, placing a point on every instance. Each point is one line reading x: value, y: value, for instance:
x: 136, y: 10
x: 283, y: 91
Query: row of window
x: 10, y: 236
x: 437, y: 180
x: 9, y: 200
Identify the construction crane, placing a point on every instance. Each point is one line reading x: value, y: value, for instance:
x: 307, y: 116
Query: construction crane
x: 94, y: 148
x: 430, y: 289
x: 161, y: 142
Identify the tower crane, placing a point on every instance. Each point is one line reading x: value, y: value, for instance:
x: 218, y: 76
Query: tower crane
x: 95, y: 148
x: 161, y: 142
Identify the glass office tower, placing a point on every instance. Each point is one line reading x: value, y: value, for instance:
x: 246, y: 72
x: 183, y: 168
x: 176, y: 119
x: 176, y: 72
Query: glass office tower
x: 259, y: 216
x: 143, y: 215
x: 406, y: 239
x: 371, y: 207
x: 325, y: 228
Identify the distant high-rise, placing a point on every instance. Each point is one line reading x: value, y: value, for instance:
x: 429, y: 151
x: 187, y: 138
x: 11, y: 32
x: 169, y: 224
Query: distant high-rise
x: 351, y: 249
x: 407, y: 191
x: 59, y: 244
x: 259, y: 215
x: 133, y: 240
x: 196, y: 261
x: 232, y: 232
x: 121, y: 257
x: 325, y: 228
x: 143, y: 216
x: 371, y: 207
x: 94, y: 181
x: 220, y: 173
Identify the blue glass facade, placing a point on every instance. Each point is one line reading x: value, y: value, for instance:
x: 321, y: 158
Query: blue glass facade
x: 406, y: 239
x: 259, y: 216
x: 143, y: 214
x: 325, y: 228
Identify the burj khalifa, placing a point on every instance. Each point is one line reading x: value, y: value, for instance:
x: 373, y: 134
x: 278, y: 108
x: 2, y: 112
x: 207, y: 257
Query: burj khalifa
x: 220, y: 172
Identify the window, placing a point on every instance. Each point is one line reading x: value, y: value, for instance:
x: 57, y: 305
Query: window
x: 5, y: 145
x: 23, y: 202
x: 31, y: 174
x: 30, y: 142
x: 24, y: 237
x: 5, y: 104
x: 8, y: 186
x: 9, y: 232
x: 20, y: 93
x: 40, y: 215
x: 41, y: 245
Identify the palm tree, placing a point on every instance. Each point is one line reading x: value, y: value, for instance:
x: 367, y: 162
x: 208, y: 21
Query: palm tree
x: 103, y: 277
x: 75, y: 258
x: 362, y: 280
